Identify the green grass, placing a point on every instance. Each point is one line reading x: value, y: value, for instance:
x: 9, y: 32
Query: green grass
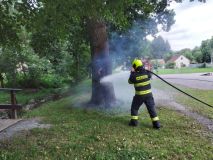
x: 79, y: 133
x: 24, y: 96
x: 184, y: 70
x: 188, y: 102
x: 204, y: 95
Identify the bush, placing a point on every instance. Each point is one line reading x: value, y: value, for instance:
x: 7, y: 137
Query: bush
x: 170, y: 65
x: 44, y: 81
x: 51, y: 81
x: 27, y: 82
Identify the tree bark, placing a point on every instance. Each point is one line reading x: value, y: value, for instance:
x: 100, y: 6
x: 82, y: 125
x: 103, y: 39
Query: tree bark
x: 102, y: 93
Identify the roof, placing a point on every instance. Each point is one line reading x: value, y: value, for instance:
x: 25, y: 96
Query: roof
x: 174, y: 58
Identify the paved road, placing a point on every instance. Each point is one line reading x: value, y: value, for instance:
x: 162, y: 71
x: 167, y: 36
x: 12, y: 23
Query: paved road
x: 192, y: 80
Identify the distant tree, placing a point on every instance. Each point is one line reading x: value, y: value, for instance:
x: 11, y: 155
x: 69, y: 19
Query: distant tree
x: 206, y: 51
x: 168, y: 55
x: 197, y: 54
x: 187, y: 53
x: 160, y: 47
x: 211, y: 49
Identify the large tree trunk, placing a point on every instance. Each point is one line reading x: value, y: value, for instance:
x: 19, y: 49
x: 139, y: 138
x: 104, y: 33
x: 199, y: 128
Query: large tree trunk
x: 102, y: 93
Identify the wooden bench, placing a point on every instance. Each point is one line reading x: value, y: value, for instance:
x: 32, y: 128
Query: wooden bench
x: 13, y: 106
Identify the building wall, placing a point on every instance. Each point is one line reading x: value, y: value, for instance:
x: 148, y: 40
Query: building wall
x: 182, y: 62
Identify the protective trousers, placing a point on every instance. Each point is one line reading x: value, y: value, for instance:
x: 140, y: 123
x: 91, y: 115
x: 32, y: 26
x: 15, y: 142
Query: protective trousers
x: 149, y: 102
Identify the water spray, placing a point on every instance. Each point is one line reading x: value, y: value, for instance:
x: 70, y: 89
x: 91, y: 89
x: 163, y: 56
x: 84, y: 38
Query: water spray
x: 181, y: 90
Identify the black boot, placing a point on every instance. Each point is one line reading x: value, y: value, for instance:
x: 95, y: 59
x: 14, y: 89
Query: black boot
x: 156, y: 124
x: 133, y: 122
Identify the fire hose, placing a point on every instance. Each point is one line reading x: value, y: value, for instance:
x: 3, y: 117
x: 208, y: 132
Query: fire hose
x: 180, y: 90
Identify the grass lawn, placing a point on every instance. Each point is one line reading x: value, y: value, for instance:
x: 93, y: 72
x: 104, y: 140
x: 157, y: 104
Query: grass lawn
x: 204, y: 95
x: 191, y: 104
x: 24, y: 96
x: 184, y: 70
x: 79, y: 133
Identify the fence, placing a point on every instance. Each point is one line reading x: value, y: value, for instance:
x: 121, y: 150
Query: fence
x: 199, y: 65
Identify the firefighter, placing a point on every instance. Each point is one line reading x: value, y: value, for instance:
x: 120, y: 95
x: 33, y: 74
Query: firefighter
x: 141, y: 80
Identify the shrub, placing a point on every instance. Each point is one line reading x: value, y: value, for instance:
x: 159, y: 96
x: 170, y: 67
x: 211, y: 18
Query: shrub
x: 51, y: 81
x: 170, y: 65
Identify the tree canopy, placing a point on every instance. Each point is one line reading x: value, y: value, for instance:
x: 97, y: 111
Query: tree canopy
x: 56, y: 32
x: 160, y: 47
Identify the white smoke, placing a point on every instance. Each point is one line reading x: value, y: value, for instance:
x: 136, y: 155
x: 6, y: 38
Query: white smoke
x: 124, y: 91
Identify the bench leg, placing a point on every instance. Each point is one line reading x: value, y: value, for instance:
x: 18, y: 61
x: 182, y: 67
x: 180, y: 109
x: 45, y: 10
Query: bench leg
x: 13, y: 101
x: 14, y: 114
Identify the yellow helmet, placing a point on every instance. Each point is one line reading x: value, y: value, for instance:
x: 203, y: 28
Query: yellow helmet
x: 137, y: 63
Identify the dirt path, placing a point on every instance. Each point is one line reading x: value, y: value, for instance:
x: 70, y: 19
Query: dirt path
x: 163, y: 98
x: 201, y: 119
x: 22, y: 127
x: 5, y: 123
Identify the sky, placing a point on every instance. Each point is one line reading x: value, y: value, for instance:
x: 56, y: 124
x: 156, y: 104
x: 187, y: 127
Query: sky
x: 194, y: 23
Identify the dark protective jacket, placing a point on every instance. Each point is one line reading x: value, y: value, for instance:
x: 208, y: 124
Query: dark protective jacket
x: 141, y: 80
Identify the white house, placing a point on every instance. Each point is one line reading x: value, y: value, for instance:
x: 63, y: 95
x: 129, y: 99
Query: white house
x: 180, y: 61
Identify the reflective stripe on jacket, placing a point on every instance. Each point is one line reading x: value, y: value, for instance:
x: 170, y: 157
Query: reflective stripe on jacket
x: 141, y: 81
